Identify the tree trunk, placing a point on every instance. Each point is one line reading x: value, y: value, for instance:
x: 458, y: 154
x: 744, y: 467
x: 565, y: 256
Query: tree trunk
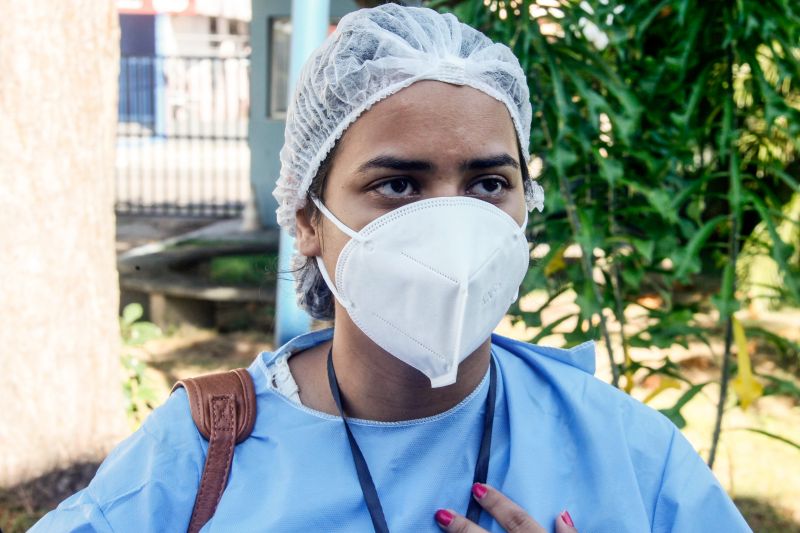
x: 60, y: 379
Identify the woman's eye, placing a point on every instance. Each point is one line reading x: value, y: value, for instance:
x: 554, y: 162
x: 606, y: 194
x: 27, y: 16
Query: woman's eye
x: 396, y: 188
x: 488, y: 187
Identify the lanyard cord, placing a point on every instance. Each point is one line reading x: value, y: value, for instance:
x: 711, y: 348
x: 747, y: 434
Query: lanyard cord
x: 482, y: 464
x: 365, y: 478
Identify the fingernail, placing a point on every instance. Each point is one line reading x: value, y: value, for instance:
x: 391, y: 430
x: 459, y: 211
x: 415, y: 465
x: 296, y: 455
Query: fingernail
x: 444, y: 517
x: 567, y: 518
x: 479, y: 490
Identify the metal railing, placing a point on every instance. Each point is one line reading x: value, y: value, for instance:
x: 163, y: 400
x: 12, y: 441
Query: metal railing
x: 182, y: 136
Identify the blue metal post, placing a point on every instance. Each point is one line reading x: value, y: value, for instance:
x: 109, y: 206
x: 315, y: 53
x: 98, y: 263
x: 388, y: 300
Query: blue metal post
x: 310, y: 20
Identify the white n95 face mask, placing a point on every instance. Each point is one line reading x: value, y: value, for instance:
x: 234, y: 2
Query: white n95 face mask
x: 429, y: 281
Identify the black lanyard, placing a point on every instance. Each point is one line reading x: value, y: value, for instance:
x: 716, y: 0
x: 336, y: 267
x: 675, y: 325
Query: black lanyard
x: 365, y: 478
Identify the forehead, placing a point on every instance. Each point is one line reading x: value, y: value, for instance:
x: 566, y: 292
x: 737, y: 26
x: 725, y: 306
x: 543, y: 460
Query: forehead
x: 432, y: 119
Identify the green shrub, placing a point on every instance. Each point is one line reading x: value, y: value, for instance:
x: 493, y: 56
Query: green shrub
x: 139, y: 392
x: 668, y: 134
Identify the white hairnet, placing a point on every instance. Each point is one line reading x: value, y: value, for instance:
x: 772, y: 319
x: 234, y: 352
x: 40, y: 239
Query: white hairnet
x: 373, y: 54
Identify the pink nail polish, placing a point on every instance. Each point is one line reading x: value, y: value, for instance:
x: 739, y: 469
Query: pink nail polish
x: 567, y: 518
x: 444, y: 517
x: 479, y: 490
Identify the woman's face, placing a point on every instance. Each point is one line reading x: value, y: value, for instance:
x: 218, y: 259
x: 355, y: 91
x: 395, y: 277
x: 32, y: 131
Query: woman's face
x: 429, y: 140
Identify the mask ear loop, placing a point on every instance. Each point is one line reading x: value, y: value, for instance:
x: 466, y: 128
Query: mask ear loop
x: 523, y: 231
x: 336, y: 222
x: 344, y: 229
x: 329, y: 282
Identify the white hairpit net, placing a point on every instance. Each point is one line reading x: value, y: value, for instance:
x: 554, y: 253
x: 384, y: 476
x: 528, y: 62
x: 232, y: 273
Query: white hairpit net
x: 373, y: 54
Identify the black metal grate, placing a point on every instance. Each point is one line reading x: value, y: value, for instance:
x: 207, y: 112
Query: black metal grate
x: 182, y: 136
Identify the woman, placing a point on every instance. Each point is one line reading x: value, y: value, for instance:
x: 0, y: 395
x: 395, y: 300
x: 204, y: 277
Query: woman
x: 404, y: 180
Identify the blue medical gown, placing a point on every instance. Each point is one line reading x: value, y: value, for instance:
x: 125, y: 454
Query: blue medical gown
x: 562, y: 440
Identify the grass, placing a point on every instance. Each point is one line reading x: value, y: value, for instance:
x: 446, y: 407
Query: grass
x: 248, y: 270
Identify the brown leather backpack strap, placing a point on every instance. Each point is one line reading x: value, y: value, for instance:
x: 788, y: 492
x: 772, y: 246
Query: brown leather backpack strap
x: 223, y: 408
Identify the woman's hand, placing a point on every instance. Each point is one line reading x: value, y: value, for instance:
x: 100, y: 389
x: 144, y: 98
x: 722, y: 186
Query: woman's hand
x: 508, y: 514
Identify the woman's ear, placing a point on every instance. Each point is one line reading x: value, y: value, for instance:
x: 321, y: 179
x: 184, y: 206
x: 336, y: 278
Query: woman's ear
x: 308, y: 239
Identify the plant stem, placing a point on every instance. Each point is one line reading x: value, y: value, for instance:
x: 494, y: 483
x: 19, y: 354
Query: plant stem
x: 571, y: 209
x: 614, y: 276
x: 586, y: 264
x: 614, y: 279
x: 723, y: 392
x: 729, y: 293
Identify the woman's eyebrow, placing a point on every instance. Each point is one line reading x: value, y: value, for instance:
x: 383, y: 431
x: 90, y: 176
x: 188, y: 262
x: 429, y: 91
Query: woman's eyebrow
x: 396, y: 163
x: 492, y: 161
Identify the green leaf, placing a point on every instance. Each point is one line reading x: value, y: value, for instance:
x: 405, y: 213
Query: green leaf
x: 610, y: 169
x: 788, y: 348
x: 725, y: 302
x: 548, y: 330
x: 674, y: 412
x: 780, y: 387
x: 563, y: 157
x: 660, y: 200
x: 632, y: 277
x: 132, y: 313
x: 645, y: 248
x: 780, y: 250
x: 774, y: 436
x: 142, y: 332
x: 786, y: 178
x: 688, y: 258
